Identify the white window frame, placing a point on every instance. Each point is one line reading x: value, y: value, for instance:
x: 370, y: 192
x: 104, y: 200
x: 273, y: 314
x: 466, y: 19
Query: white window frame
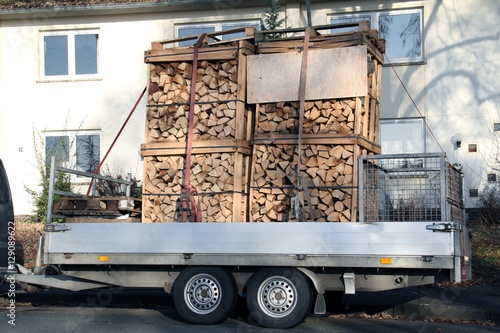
x: 71, y: 35
x: 395, y: 121
x: 218, y: 26
x: 72, y: 158
x: 374, y: 21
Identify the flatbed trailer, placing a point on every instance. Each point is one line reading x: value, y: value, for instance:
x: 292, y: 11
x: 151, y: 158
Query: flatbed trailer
x: 283, y: 269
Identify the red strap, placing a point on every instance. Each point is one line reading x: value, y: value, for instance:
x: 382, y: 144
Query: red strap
x: 195, y: 206
x: 189, y: 140
x: 116, y: 138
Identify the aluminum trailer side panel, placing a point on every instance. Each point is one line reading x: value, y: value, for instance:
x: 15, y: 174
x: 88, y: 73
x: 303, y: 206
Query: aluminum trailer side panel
x: 254, y: 239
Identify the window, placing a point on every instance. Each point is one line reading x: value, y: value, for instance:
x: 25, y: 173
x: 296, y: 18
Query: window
x: 473, y: 193
x: 496, y: 127
x: 80, y: 149
x: 472, y: 148
x: 193, y: 30
x: 402, y: 31
x: 69, y: 54
x: 492, y: 177
x: 402, y: 136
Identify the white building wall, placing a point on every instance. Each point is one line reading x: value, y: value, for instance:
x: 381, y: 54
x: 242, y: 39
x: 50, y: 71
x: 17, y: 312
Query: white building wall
x: 455, y: 89
x: 30, y: 105
x: 462, y: 83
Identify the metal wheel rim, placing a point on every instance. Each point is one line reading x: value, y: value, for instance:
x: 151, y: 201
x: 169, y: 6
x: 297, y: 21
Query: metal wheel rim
x: 202, y: 293
x: 277, y: 296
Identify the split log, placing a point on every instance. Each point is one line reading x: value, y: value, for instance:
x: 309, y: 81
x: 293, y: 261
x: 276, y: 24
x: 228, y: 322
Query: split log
x: 212, y: 175
x: 327, y: 116
x: 218, y: 111
x: 327, y: 169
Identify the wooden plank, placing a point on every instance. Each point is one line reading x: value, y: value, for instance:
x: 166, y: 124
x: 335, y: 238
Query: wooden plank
x: 198, y: 150
x: 355, y: 191
x: 373, y: 49
x: 214, y: 144
x: 185, y: 53
x: 358, y: 117
x: 373, y: 119
x: 87, y: 219
x: 238, y: 186
x: 363, y: 26
x: 371, y: 146
x: 341, y: 40
x: 153, y: 56
x: 367, y: 117
x: 326, y: 139
x: 248, y: 31
x: 241, y: 110
x: 307, y: 139
x: 346, y: 77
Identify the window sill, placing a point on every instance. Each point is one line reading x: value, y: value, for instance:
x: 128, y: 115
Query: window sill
x: 393, y: 64
x: 69, y: 79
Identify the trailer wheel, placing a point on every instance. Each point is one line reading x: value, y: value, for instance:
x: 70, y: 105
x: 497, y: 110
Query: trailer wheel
x: 279, y: 297
x: 204, y: 295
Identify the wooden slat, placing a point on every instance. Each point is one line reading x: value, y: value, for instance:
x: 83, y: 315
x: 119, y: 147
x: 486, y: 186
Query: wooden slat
x: 152, y: 56
x: 185, y: 53
x: 367, y: 117
x: 355, y: 191
x: 307, y: 139
x: 249, y: 33
x: 241, y: 112
x: 199, y: 147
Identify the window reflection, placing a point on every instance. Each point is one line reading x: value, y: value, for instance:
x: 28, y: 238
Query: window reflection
x: 402, y: 136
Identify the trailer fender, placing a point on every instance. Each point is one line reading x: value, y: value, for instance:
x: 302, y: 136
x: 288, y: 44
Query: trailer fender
x: 320, y: 304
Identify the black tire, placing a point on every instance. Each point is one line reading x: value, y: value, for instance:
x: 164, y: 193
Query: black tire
x: 279, y: 297
x: 204, y: 295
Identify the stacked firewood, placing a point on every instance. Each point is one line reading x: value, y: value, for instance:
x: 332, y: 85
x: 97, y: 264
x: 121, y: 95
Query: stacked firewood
x: 169, y: 96
x: 266, y: 180
x: 326, y: 181
x: 333, y: 132
x: 220, y: 150
x: 328, y: 116
x: 212, y: 175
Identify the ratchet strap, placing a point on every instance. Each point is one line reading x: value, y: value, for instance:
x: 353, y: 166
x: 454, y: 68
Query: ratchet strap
x: 187, y: 192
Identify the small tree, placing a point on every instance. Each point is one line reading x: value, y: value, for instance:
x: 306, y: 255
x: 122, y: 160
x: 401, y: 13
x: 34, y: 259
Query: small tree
x: 489, y: 203
x: 40, y: 196
x: 271, y: 20
x: 110, y: 188
x: 61, y: 147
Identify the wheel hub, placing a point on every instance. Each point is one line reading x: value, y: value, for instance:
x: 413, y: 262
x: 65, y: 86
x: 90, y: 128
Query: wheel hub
x: 277, y: 296
x: 202, y: 294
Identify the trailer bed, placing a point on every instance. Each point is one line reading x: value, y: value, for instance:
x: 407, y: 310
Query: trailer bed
x: 382, y: 244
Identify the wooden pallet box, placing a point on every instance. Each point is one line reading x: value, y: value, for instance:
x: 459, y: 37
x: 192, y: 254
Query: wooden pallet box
x: 219, y: 173
x: 220, y: 110
x: 324, y: 107
x: 346, y: 117
x: 327, y: 185
x: 221, y: 129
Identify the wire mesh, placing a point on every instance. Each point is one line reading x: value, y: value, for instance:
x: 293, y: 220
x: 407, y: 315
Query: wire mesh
x: 417, y: 187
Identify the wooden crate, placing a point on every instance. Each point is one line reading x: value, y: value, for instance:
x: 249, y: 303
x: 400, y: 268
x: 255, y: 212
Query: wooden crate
x: 219, y: 172
x: 247, y: 109
x: 337, y: 85
x: 220, y: 110
x: 222, y: 128
x: 328, y: 184
x: 345, y: 117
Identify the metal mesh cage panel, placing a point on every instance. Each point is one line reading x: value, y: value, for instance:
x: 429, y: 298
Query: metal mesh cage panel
x: 417, y: 187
